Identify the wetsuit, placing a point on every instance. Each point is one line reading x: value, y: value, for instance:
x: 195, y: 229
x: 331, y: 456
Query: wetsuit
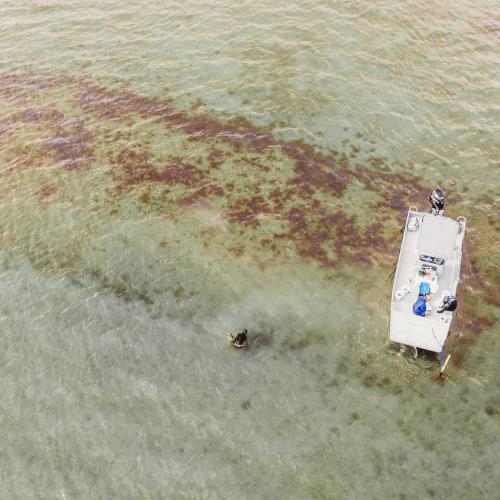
x: 240, y: 340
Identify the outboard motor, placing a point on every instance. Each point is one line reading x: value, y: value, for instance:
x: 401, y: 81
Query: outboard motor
x: 449, y: 304
x: 437, y: 201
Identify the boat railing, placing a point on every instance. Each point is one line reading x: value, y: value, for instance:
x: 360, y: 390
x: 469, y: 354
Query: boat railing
x: 461, y: 223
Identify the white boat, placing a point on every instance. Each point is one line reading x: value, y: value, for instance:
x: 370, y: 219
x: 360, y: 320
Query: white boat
x: 429, y: 261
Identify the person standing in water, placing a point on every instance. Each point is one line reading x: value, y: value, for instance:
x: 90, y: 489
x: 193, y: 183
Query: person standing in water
x: 240, y: 340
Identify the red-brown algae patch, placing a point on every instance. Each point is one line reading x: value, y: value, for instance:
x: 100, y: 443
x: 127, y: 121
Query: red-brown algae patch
x: 474, y: 280
x: 398, y: 190
x: 312, y: 170
x: 477, y: 301
x: 278, y: 198
x: 32, y: 116
x: 237, y: 133
x: 71, y: 145
x: 375, y: 239
x: 38, y: 115
x: 46, y: 192
x: 205, y: 191
x: 111, y: 105
x: 70, y: 142
x: 21, y: 87
x: 216, y: 157
x: 470, y: 319
x: 134, y: 167
x: 238, y: 158
x: 247, y: 211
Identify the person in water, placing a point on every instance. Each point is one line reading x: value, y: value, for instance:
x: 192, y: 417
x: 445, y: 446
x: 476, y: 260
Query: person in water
x: 240, y: 340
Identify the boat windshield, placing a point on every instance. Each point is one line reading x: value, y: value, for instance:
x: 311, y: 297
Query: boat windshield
x: 432, y: 260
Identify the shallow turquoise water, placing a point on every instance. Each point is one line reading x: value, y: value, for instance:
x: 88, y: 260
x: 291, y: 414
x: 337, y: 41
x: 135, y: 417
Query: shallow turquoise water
x: 117, y: 378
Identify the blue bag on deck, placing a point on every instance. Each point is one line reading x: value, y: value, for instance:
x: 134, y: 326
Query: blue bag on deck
x: 420, y: 306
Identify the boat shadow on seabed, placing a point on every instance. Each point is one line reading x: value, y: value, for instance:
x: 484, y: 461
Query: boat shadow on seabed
x: 425, y: 360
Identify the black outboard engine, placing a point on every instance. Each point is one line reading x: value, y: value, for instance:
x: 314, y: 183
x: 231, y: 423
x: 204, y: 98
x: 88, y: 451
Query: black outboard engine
x: 437, y: 201
x: 449, y: 304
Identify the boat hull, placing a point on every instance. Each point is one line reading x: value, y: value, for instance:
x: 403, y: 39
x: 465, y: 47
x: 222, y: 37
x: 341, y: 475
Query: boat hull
x: 425, y: 234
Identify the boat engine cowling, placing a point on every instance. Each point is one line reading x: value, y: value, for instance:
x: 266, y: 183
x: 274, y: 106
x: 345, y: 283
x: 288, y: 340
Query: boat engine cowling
x: 437, y: 201
x: 449, y: 304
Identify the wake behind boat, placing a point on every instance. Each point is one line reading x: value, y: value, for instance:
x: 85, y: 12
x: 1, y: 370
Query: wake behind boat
x: 427, y: 276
